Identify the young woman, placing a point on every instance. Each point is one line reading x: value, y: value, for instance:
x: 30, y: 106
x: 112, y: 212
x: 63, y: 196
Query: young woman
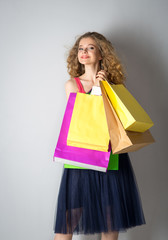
x: 91, y: 201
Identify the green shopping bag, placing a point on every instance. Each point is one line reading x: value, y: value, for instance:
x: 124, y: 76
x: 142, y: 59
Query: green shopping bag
x: 113, y: 163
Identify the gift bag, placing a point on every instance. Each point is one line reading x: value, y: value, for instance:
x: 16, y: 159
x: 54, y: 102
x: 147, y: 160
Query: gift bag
x: 129, y: 111
x: 88, y: 127
x: 113, y: 162
x: 91, y: 159
x: 123, y: 141
x: 112, y: 165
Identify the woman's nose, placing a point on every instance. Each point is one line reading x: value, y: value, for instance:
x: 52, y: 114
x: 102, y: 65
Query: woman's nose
x: 85, y: 50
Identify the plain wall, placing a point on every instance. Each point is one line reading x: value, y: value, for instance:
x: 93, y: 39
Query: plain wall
x: 35, y: 36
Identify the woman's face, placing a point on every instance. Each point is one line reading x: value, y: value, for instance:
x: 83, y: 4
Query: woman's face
x: 88, y: 52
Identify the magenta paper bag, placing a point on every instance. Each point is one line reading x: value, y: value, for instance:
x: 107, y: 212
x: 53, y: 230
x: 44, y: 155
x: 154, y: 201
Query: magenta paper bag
x: 81, y: 157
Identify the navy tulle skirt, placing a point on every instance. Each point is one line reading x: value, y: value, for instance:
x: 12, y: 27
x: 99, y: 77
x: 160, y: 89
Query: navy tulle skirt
x: 93, y: 202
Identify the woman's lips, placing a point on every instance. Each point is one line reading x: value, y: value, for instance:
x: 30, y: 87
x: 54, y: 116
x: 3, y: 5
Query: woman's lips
x: 85, y: 57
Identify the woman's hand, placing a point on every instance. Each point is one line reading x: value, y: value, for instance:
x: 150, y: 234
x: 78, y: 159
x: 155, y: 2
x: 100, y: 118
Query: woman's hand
x: 101, y: 75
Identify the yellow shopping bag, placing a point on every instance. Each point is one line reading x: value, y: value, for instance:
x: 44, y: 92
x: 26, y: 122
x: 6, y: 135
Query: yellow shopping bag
x: 123, y: 141
x: 88, y: 127
x: 132, y: 116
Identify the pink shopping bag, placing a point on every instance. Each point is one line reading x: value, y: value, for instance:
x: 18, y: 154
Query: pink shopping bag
x: 91, y: 159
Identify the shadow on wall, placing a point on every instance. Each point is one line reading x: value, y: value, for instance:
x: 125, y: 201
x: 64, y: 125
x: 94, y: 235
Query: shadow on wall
x: 147, y: 81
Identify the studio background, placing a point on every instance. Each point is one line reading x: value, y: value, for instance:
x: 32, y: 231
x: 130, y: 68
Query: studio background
x: 35, y: 38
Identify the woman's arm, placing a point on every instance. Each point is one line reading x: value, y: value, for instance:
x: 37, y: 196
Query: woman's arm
x: 70, y: 86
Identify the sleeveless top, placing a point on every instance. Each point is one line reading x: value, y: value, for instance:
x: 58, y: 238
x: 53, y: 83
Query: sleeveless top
x: 80, y: 86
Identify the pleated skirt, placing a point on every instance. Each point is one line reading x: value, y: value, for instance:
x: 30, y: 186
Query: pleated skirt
x: 94, y: 202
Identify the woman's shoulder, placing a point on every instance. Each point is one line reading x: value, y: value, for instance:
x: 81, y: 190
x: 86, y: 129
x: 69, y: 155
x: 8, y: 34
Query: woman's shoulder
x: 70, y: 81
x: 70, y: 86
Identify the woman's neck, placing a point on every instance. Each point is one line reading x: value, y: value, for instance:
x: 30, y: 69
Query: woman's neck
x: 90, y: 73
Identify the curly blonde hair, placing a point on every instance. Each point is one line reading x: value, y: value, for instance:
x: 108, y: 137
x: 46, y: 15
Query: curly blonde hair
x: 110, y: 62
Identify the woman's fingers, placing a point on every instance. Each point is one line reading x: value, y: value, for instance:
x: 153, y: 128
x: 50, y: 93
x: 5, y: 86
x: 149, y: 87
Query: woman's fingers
x: 101, y: 75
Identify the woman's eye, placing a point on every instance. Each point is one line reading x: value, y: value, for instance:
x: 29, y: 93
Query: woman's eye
x: 91, y: 48
x: 80, y: 49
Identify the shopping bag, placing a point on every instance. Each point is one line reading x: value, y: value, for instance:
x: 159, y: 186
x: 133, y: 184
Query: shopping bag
x: 123, y: 141
x: 129, y: 111
x: 112, y: 165
x: 113, y: 162
x: 88, y: 127
x: 91, y: 159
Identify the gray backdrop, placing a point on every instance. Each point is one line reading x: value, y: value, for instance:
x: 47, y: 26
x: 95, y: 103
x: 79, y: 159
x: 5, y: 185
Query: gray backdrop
x: 35, y: 38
